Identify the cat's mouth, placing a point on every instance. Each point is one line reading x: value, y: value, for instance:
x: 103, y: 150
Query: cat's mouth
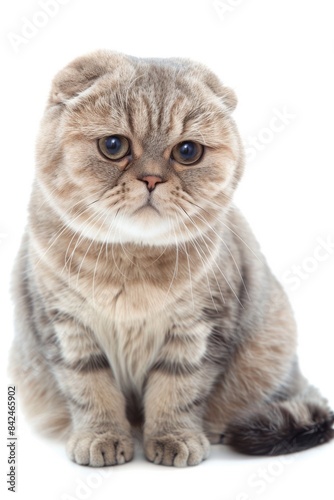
x: 148, y: 206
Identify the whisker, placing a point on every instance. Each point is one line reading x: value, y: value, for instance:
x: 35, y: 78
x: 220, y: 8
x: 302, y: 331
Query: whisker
x: 95, y: 220
x: 220, y: 270
x: 47, y: 197
x: 98, y: 258
x: 224, y: 224
x: 228, y: 249
x: 81, y: 236
x: 81, y: 231
x: 214, y: 260
x: 176, y: 267
x: 184, y: 245
x: 162, y: 253
x: 198, y: 250
x: 65, y: 227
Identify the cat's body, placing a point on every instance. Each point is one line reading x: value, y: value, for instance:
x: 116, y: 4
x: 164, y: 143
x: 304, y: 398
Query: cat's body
x: 142, y: 297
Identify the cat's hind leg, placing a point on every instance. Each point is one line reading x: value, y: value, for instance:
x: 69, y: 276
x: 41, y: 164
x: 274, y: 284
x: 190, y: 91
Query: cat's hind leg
x: 262, y: 404
x: 37, y: 391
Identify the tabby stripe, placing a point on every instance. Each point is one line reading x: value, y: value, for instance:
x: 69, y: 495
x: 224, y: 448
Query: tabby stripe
x: 130, y: 122
x: 173, y: 338
x: 94, y: 363
x: 175, y: 368
x: 172, y: 114
x: 192, y: 115
x: 149, y: 111
x: 193, y: 404
x: 54, y: 356
x: 77, y: 404
x: 218, y: 351
x: 159, y: 119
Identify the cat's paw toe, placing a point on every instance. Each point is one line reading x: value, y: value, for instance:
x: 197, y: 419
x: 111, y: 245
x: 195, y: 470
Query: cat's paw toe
x: 99, y: 449
x: 177, y: 450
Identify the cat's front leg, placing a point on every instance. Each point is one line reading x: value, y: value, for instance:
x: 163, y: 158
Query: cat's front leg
x: 100, y: 434
x: 174, y: 398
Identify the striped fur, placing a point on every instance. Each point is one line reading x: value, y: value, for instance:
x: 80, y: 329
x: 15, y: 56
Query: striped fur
x: 155, y: 308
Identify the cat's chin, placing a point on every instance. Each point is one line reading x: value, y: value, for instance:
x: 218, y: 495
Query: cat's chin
x: 146, y: 226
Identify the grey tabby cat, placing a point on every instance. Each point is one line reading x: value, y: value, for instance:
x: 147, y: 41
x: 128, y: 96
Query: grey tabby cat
x: 142, y: 299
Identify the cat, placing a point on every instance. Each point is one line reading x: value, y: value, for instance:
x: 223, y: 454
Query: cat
x: 142, y: 300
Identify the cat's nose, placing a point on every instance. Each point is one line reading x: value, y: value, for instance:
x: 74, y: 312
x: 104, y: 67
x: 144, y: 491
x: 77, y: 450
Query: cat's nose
x: 151, y: 181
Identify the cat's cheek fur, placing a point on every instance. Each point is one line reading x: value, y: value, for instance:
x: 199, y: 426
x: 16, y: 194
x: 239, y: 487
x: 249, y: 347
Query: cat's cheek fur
x: 151, y: 309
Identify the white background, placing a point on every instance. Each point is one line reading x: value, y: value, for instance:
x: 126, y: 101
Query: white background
x: 277, y: 55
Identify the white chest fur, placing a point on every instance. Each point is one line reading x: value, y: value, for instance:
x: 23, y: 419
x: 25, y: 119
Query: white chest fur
x: 132, y: 347
x: 130, y: 321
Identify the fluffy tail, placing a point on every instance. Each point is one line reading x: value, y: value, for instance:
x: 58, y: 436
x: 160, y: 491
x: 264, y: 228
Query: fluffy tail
x: 282, y: 427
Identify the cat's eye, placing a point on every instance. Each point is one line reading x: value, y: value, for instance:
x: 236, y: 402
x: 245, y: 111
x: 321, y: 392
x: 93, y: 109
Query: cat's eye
x: 187, y: 152
x: 114, y: 147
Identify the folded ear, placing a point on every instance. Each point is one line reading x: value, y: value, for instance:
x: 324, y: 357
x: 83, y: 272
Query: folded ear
x: 81, y: 74
x: 229, y: 98
x: 226, y: 95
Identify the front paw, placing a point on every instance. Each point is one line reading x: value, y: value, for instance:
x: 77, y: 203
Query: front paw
x: 178, y: 450
x: 97, y: 449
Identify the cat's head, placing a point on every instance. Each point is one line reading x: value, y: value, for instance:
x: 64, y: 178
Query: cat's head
x: 138, y: 150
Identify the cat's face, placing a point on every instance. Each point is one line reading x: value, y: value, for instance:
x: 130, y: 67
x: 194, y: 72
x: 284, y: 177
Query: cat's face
x: 141, y: 151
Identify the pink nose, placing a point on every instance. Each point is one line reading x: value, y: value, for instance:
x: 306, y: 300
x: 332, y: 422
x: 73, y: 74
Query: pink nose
x: 151, y: 181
